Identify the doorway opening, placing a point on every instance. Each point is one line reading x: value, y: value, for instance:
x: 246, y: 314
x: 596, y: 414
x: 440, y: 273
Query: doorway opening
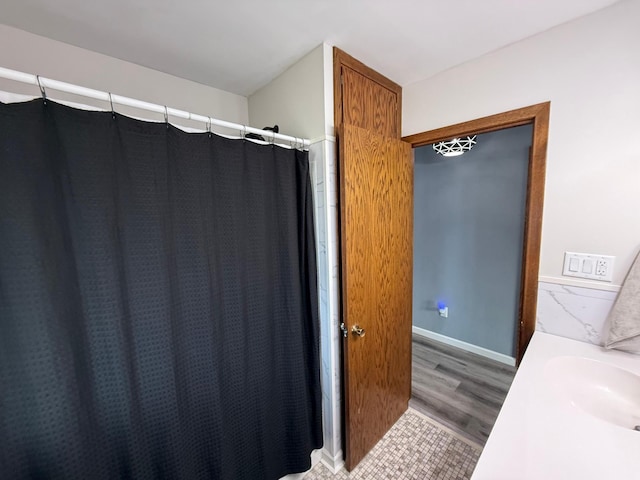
x: 477, y: 227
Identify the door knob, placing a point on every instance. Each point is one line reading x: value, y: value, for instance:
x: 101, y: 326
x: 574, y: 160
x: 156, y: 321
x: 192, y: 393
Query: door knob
x: 356, y: 330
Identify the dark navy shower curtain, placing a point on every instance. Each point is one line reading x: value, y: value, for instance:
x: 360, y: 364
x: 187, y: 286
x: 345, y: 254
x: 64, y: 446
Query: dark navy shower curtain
x: 158, y: 304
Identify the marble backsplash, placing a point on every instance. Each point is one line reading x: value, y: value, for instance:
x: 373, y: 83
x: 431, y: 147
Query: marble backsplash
x: 578, y: 313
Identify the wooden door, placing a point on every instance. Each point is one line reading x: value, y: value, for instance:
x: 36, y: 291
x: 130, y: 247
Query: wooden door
x: 376, y: 234
x: 376, y: 197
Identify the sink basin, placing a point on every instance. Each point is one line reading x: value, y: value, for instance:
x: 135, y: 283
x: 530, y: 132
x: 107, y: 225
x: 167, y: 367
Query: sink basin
x: 597, y: 388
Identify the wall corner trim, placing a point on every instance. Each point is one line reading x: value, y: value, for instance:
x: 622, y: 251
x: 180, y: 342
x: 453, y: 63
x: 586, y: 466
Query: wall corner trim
x: 573, y: 282
x: 333, y: 462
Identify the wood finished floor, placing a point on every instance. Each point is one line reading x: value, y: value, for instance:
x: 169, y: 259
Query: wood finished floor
x: 459, y: 389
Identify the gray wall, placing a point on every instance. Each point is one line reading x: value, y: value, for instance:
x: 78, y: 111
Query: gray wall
x: 468, y: 231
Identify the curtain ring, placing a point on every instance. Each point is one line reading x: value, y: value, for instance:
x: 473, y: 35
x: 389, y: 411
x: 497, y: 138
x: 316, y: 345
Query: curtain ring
x: 166, y: 116
x: 244, y: 132
x: 113, y: 112
x: 42, y: 91
x: 209, y: 126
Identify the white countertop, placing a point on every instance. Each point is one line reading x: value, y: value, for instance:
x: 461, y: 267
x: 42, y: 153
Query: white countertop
x: 538, y: 435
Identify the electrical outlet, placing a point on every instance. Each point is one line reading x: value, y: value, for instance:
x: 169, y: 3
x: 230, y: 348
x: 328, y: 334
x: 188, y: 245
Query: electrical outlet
x: 602, y: 267
x: 586, y: 265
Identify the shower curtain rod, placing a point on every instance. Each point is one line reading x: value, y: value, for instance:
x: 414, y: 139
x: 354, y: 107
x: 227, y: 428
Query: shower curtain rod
x: 44, y: 83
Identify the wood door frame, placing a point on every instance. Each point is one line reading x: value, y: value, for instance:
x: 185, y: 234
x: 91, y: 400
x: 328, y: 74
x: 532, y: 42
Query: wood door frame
x: 538, y: 116
x: 340, y: 59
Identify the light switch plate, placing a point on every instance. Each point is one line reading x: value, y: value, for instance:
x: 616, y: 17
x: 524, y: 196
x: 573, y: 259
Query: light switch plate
x: 588, y: 265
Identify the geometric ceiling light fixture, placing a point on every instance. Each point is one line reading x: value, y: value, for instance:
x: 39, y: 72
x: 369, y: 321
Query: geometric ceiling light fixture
x: 455, y: 147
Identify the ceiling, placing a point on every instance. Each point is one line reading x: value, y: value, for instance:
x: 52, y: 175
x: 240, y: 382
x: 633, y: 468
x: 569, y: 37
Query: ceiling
x: 241, y: 45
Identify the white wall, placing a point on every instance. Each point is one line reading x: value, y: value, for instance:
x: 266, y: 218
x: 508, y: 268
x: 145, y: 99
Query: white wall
x: 298, y: 100
x: 590, y: 70
x: 49, y: 58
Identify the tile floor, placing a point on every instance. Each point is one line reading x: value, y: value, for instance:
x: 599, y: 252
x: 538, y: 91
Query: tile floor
x: 415, y: 448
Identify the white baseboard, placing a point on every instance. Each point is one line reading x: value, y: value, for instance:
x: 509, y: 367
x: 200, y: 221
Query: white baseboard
x: 333, y: 463
x: 499, y: 357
